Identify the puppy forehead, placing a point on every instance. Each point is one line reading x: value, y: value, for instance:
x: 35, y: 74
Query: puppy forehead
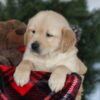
x: 48, y: 17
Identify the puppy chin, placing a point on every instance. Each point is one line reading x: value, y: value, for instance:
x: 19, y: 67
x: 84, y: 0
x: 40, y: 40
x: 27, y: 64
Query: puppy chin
x: 47, y: 54
x: 39, y: 53
x: 43, y: 53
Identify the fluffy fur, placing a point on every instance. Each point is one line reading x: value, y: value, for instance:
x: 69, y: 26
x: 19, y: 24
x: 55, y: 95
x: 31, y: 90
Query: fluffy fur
x: 57, y: 51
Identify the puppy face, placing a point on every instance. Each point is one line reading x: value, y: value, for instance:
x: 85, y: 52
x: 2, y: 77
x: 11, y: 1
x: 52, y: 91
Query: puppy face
x: 48, y: 32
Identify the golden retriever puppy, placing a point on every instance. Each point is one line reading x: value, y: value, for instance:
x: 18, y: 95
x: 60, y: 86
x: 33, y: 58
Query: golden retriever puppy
x: 50, y: 46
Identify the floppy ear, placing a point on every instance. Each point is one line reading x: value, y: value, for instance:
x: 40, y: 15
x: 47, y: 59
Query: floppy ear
x: 68, y: 40
x: 26, y: 37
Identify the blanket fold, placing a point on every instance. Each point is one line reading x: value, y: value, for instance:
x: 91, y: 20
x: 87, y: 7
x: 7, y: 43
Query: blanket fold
x: 37, y: 88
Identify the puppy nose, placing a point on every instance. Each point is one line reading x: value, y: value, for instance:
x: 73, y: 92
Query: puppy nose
x: 35, y: 46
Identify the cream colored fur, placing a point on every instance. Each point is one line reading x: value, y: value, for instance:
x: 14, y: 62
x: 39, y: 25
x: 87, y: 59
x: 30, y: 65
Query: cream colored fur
x: 58, y: 53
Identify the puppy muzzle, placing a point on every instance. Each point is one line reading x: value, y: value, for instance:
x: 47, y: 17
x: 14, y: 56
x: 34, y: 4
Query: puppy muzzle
x: 35, y: 47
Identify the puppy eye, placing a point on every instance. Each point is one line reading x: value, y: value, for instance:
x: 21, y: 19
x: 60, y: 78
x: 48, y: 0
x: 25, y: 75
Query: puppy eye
x: 49, y: 35
x: 33, y: 31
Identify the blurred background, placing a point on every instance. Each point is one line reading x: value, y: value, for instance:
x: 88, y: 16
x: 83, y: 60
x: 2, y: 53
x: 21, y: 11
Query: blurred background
x: 85, y: 14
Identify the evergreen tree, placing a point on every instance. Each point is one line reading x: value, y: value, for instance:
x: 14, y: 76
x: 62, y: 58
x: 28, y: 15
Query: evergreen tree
x: 1, y: 11
x: 10, y: 9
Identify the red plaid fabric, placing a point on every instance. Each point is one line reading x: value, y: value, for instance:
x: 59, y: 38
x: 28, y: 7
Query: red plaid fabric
x: 37, y: 88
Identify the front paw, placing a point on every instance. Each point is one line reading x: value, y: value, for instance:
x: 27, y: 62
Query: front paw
x: 57, y: 81
x: 21, y: 76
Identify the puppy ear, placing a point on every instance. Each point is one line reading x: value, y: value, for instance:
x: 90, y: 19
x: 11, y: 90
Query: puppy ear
x: 26, y: 37
x: 27, y: 34
x: 68, y: 40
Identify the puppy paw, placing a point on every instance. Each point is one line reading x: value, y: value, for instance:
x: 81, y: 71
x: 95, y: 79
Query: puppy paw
x: 21, y: 76
x: 57, y: 81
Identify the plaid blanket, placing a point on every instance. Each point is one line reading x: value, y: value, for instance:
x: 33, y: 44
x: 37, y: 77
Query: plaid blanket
x: 37, y: 88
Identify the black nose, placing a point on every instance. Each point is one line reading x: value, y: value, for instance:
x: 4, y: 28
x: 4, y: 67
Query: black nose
x: 35, y: 46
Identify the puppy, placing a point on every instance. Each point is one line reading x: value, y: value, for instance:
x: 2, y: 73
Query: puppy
x: 50, y: 46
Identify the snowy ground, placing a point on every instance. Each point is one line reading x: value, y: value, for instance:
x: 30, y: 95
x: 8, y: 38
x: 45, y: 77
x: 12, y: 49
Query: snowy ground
x: 96, y: 94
